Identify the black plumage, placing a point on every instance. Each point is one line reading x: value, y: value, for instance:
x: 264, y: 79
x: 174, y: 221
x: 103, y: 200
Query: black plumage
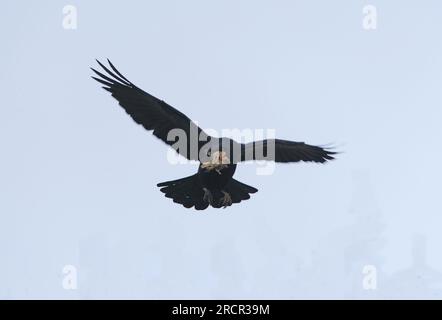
x: 213, y: 184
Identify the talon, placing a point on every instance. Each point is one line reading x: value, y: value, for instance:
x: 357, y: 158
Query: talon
x: 208, y: 197
x: 226, y: 201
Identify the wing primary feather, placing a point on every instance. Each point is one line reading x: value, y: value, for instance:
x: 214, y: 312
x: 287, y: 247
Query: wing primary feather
x: 114, y: 75
x: 118, y: 72
x: 102, y: 81
x: 113, y: 81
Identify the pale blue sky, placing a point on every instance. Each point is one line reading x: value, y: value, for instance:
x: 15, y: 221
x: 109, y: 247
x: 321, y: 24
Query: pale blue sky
x: 78, y: 177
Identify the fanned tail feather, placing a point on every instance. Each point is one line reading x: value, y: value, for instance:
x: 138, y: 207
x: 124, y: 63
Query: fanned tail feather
x: 186, y: 191
x: 189, y: 192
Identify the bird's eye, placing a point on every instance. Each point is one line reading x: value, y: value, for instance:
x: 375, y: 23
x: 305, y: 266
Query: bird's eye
x: 209, y: 153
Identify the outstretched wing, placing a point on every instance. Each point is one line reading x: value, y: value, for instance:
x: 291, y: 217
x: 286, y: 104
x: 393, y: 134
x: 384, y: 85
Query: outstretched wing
x: 284, y: 151
x: 152, y: 113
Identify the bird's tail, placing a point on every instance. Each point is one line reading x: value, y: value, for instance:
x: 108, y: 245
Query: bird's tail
x: 239, y: 191
x: 189, y: 192
x: 186, y: 191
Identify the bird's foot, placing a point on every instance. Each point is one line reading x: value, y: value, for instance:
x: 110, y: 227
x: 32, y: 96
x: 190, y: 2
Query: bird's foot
x: 226, y: 200
x: 208, y: 197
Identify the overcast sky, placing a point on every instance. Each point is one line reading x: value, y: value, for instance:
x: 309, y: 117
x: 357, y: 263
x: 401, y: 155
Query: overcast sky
x: 78, y: 176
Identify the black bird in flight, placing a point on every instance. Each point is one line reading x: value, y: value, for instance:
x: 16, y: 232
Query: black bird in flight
x: 213, y: 184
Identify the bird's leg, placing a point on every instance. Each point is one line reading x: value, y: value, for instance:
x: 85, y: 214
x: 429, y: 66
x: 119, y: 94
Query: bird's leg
x: 208, y: 197
x: 226, y: 200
